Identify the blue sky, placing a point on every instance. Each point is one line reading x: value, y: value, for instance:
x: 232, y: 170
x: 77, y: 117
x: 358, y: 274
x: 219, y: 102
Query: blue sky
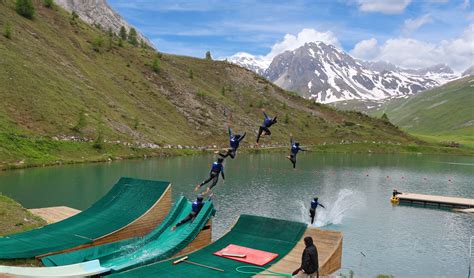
x: 226, y: 27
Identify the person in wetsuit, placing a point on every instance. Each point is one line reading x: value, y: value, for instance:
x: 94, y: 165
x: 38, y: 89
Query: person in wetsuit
x: 312, y: 209
x: 195, y: 209
x: 216, y: 169
x: 295, y: 148
x: 395, y: 193
x: 234, y: 144
x: 309, y: 260
x: 267, y: 123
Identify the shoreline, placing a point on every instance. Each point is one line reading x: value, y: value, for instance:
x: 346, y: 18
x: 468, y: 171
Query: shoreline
x: 348, y: 148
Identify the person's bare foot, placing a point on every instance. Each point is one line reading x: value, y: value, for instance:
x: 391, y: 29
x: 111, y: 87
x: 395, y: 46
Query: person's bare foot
x: 173, y: 228
x: 197, y: 187
x: 207, y: 191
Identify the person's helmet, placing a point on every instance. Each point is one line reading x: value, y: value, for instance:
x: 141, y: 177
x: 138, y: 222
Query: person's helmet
x: 220, y: 160
x: 237, y: 136
x: 316, y: 199
x: 297, y: 144
x: 199, y: 198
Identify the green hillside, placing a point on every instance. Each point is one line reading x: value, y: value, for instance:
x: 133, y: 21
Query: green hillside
x: 72, y: 93
x: 445, y: 113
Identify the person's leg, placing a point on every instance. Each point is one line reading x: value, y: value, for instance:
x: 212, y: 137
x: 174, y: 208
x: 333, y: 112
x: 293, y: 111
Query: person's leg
x: 267, y: 131
x: 215, y: 179
x: 232, y: 153
x: 260, y: 131
x: 293, y: 160
x: 211, y: 176
x: 312, y: 213
x: 226, y: 154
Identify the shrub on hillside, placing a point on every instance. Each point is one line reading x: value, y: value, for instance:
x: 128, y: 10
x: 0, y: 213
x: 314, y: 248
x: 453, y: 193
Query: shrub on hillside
x: 190, y: 74
x: 48, y: 3
x: 74, y: 17
x: 155, y: 66
x: 25, y: 8
x: 7, y: 31
x: 81, y: 122
x: 97, y: 43
x: 208, y: 55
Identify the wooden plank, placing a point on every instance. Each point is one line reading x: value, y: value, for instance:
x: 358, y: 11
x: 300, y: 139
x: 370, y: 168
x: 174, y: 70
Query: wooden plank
x: 453, y: 201
x: 54, y: 214
x: 469, y: 210
x: 329, y: 245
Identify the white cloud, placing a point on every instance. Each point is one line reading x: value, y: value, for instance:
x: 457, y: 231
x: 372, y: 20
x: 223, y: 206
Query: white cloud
x: 291, y: 42
x: 466, y: 4
x: 411, y: 25
x: 410, y: 53
x: 366, y: 49
x: 383, y: 6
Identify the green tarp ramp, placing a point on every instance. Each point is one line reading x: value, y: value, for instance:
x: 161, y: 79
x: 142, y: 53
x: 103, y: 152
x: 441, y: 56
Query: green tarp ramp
x: 160, y: 244
x: 124, y: 203
x: 267, y: 234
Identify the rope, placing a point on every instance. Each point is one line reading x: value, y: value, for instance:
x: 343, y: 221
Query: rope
x: 257, y: 269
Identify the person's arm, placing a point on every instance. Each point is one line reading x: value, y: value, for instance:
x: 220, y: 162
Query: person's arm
x: 305, y: 261
x: 322, y: 205
x: 303, y: 150
x: 230, y: 132
x: 243, y: 136
x: 222, y: 173
x: 274, y: 120
x: 265, y: 114
x: 291, y: 140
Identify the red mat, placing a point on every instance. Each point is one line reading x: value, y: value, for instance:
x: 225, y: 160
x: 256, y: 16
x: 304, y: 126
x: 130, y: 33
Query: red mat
x: 253, y: 256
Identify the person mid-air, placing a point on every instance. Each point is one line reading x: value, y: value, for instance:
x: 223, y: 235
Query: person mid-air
x: 295, y: 148
x: 235, y: 140
x: 216, y: 169
x: 265, y: 127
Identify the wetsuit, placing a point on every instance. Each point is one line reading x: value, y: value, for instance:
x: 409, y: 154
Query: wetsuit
x: 312, y: 209
x: 196, y: 208
x: 217, y: 168
x: 395, y: 193
x: 267, y: 123
x: 234, y: 145
x: 294, y: 151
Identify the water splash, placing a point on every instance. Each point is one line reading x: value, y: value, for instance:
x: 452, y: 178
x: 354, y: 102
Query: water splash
x: 336, y: 208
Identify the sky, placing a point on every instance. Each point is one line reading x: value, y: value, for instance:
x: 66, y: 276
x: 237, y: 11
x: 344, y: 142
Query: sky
x: 408, y: 33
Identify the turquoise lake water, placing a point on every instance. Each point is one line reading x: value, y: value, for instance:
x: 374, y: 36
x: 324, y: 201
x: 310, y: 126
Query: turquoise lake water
x: 379, y: 238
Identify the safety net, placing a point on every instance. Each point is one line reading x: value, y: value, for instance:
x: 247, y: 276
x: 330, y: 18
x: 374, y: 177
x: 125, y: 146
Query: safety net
x: 267, y: 234
x: 125, y: 202
x: 160, y: 244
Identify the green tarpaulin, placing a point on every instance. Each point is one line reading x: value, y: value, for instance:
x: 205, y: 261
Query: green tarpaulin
x: 267, y: 234
x: 160, y: 244
x: 125, y: 202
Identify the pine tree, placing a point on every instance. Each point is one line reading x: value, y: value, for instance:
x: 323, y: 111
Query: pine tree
x: 25, y: 8
x: 208, y: 55
x: 132, y: 37
x: 123, y: 33
x: 156, y: 65
x: 385, y: 117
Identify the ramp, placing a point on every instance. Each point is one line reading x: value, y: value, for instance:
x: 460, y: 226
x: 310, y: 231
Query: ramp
x: 76, y: 270
x: 437, y: 201
x: 267, y: 234
x: 160, y: 244
x: 132, y: 207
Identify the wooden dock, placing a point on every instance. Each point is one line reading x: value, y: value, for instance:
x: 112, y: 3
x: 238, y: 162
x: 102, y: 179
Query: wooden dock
x: 54, y: 214
x: 436, y: 201
x: 329, y: 245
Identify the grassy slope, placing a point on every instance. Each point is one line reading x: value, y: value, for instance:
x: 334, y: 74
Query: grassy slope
x: 49, y: 74
x: 15, y: 218
x: 441, y: 114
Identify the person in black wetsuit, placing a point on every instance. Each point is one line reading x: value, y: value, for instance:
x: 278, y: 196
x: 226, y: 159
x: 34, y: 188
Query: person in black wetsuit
x: 267, y: 123
x: 216, y: 169
x: 309, y: 260
x: 195, y: 209
x: 234, y: 144
x: 396, y: 192
x: 312, y: 209
x: 295, y: 148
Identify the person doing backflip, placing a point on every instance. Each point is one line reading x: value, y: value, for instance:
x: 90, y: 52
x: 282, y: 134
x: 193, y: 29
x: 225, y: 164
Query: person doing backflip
x: 216, y: 169
x: 195, y: 209
x: 295, y: 148
x: 265, y: 127
x: 312, y: 209
x: 234, y: 141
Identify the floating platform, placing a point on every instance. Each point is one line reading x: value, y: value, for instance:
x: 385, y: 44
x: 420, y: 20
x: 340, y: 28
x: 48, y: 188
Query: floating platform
x: 436, y: 201
x: 282, y: 237
x: 54, y: 214
x: 132, y: 208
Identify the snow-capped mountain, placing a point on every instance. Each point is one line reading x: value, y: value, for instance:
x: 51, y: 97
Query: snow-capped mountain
x: 326, y: 74
x: 249, y: 61
x: 469, y: 71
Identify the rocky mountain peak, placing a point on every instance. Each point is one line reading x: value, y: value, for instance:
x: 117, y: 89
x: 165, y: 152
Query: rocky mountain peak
x: 99, y: 12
